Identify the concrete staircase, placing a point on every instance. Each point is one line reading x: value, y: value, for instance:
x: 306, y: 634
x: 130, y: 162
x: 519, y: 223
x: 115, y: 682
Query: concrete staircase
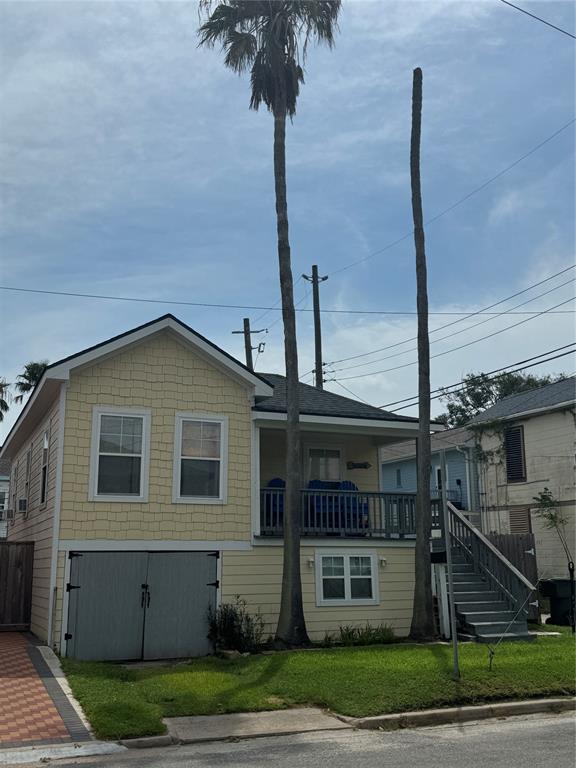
x: 482, y: 614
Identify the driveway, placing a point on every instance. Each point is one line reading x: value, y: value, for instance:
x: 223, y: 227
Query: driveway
x: 33, y: 708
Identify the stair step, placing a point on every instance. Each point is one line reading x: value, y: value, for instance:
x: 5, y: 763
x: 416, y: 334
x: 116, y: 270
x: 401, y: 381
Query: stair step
x: 468, y: 578
x: 471, y: 586
x: 476, y: 596
x: 459, y: 577
x: 493, y: 638
x: 474, y: 605
x: 498, y: 627
x: 472, y: 617
x: 462, y: 568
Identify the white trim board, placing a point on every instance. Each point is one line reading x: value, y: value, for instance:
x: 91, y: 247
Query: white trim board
x: 146, y: 545
x: 336, y: 421
x: 56, y: 512
x: 62, y: 371
x: 337, y: 543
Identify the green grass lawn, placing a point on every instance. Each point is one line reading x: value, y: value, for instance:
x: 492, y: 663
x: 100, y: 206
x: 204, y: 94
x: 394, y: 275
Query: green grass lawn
x: 124, y: 703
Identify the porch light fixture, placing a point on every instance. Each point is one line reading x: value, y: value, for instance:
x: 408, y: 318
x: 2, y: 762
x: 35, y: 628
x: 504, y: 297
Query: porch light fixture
x: 383, y: 562
x: 310, y: 562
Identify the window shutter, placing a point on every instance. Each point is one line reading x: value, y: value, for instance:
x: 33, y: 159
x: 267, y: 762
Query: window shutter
x: 515, y: 463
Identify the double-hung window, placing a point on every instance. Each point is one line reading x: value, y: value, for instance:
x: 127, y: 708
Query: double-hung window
x: 200, y: 458
x: 120, y: 442
x: 346, y: 578
x: 324, y: 464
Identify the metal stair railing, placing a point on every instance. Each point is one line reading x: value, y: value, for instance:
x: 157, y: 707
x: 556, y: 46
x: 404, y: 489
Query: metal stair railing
x: 487, y: 560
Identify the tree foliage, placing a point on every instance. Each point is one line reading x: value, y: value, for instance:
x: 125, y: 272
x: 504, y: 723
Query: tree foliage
x: 480, y: 391
x: 5, y: 397
x: 27, y: 380
x: 269, y: 38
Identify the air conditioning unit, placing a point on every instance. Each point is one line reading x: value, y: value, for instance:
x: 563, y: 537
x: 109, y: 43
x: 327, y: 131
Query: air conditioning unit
x: 6, y: 514
x: 22, y: 505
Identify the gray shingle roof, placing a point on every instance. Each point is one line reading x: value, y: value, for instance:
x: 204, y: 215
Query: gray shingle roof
x: 548, y: 396
x: 447, y: 439
x: 318, y: 402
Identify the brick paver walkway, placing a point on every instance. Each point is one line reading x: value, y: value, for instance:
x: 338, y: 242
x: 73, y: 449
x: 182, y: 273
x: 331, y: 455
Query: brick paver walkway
x: 27, y: 712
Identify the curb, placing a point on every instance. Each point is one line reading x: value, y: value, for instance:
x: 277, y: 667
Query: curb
x: 401, y: 720
x: 446, y: 716
x: 146, y: 742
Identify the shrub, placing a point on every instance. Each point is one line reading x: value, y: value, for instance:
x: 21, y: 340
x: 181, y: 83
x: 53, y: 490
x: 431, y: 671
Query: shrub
x: 381, y: 634
x: 232, y: 628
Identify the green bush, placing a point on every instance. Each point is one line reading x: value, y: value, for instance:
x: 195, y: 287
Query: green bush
x: 232, y: 628
x: 381, y: 634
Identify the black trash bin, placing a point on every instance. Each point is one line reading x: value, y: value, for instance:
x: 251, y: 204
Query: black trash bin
x: 558, y: 592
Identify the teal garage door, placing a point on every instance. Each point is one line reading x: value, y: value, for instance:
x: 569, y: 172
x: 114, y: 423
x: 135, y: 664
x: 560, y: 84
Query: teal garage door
x: 140, y: 605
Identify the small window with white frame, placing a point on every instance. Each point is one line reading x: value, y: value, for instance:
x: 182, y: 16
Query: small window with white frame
x: 120, y: 448
x: 200, y: 460
x: 44, y: 468
x: 346, y: 578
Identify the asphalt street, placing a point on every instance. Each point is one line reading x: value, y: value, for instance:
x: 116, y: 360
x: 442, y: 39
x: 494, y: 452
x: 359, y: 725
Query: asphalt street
x: 535, y: 741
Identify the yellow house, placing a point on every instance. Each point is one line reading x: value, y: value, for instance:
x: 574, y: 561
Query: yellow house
x: 148, y: 471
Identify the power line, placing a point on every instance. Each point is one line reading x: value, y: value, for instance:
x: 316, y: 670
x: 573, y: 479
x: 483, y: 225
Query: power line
x: 454, y: 322
x: 462, y: 346
x: 494, y: 378
x: 461, y: 200
x: 335, y: 381
x: 456, y: 333
x: 482, y: 375
x: 548, y: 24
x: 232, y: 306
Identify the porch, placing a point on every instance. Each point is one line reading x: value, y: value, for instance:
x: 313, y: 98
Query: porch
x: 344, y: 512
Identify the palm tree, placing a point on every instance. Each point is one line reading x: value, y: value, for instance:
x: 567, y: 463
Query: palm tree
x: 26, y: 381
x: 269, y: 38
x: 422, y: 616
x: 5, y: 397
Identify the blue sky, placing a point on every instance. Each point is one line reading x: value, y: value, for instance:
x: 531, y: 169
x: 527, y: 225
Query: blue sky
x: 131, y: 165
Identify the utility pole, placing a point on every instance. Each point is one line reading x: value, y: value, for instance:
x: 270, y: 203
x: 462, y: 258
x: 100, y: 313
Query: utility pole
x: 318, y: 365
x: 248, y: 342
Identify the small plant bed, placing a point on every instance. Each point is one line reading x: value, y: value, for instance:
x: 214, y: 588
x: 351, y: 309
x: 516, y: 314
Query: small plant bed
x: 125, y: 703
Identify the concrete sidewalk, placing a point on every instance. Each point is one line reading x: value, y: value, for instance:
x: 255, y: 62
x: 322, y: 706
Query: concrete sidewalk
x: 245, y: 725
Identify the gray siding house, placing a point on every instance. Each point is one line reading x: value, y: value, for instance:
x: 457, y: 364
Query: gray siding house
x: 398, y: 468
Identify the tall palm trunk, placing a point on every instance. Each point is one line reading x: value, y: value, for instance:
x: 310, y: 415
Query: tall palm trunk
x: 291, y: 628
x: 423, y: 616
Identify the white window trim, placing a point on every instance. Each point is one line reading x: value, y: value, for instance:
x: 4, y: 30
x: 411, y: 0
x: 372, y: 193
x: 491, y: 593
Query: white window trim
x: 44, y: 486
x: 195, y: 416
x: 112, y: 410
x: 347, y: 553
x: 322, y: 447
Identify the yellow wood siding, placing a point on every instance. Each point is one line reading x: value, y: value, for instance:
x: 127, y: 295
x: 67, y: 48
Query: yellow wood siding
x: 256, y: 576
x: 37, y: 524
x: 165, y: 376
x: 359, y: 449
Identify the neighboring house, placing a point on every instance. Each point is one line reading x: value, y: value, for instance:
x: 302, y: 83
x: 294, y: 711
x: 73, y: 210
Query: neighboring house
x: 149, y: 470
x: 528, y: 443
x: 398, y: 468
x: 4, y: 495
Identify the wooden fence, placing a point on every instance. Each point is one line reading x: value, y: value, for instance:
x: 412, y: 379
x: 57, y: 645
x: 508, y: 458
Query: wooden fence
x: 16, y: 561
x: 520, y: 549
